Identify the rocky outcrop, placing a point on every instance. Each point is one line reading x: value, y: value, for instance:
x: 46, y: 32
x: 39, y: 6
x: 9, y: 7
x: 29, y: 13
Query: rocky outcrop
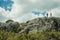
x: 42, y: 24
x: 32, y: 26
x: 9, y: 26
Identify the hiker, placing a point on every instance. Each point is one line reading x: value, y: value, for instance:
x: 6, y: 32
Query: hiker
x: 50, y: 14
x: 47, y: 14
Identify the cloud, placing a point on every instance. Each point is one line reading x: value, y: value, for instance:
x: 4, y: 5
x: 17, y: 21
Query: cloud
x: 27, y: 17
x: 33, y: 1
x: 42, y: 5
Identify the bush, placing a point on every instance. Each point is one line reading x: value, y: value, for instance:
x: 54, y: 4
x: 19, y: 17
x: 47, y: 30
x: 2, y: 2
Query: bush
x: 37, y: 36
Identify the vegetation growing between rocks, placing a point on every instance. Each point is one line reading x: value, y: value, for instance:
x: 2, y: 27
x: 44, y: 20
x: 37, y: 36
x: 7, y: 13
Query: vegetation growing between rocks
x: 47, y: 29
x: 38, y: 36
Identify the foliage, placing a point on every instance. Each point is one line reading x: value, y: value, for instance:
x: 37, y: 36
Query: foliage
x: 53, y: 35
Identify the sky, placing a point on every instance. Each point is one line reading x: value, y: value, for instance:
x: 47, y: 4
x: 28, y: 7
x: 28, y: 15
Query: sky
x: 6, y: 4
x: 21, y: 10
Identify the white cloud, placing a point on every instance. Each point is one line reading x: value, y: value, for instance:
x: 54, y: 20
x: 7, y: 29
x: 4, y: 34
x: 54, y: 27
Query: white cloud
x: 25, y: 17
x: 33, y: 1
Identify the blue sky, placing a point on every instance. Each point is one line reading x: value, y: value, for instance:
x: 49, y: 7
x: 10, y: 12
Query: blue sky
x: 21, y: 10
x: 6, y: 4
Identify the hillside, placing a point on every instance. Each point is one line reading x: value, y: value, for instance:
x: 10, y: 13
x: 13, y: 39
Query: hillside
x: 42, y: 24
x: 36, y: 29
x: 32, y: 26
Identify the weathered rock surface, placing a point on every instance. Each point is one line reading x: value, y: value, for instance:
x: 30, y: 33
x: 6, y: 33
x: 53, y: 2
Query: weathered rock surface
x: 32, y: 26
x: 42, y: 24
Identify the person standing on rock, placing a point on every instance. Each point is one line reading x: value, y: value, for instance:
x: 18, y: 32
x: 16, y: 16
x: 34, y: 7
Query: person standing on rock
x: 50, y: 14
x: 47, y: 14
